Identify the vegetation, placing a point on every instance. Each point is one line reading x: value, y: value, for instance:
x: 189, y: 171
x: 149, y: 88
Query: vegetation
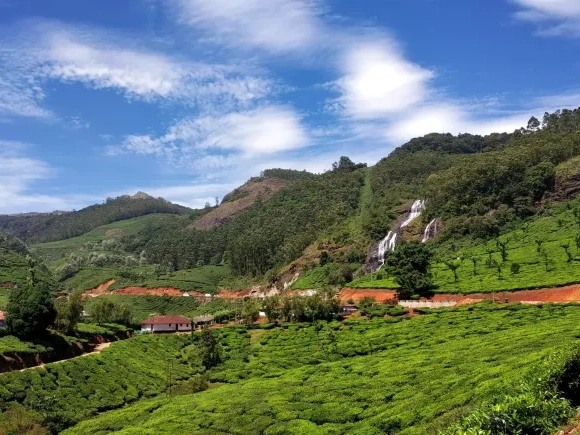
x: 46, y: 227
x: 378, y: 376
x: 30, y: 309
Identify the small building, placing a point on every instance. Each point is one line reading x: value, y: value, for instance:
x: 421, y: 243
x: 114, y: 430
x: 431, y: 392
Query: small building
x: 2, y: 320
x: 166, y: 324
x: 201, y: 321
x: 349, y: 309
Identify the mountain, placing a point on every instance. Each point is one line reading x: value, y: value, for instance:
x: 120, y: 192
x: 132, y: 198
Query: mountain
x: 47, y: 227
x: 313, y: 230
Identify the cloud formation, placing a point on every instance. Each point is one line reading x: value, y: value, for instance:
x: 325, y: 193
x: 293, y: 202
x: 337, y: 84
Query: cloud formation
x: 218, y: 141
x: 277, y: 26
x: 552, y: 17
x: 49, y: 51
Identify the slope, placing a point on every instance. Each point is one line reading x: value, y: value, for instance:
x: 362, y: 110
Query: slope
x: 370, y: 377
x: 46, y: 227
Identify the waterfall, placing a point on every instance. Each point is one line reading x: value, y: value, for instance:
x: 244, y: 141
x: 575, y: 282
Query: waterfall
x: 390, y: 240
x: 430, y: 231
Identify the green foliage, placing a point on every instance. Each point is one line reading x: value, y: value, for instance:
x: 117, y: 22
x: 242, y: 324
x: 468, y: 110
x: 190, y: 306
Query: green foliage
x: 46, y: 227
x: 210, y: 350
x: 410, y: 265
x: 30, y: 309
x: 105, y: 310
x: 69, y: 312
x: 250, y: 311
x: 378, y: 376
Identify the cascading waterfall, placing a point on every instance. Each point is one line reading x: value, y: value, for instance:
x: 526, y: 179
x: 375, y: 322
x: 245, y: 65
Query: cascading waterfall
x: 390, y: 240
x: 430, y: 231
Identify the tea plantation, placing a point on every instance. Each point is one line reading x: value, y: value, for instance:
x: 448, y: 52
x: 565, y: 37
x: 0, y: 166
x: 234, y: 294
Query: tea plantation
x: 407, y: 376
x: 536, y: 247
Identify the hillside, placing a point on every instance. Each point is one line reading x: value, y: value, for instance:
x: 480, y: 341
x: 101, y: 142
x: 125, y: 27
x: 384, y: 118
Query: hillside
x: 328, y: 228
x: 47, y: 227
x: 262, y: 188
x: 14, y: 266
x: 374, y: 377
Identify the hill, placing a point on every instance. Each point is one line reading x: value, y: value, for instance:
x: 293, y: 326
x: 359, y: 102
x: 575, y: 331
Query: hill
x: 259, y: 188
x: 47, y: 227
x: 374, y: 377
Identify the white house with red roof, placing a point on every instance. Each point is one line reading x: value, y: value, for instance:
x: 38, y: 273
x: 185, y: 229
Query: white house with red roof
x: 166, y: 324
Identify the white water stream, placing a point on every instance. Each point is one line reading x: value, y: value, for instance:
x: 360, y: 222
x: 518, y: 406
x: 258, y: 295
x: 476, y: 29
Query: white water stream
x: 430, y: 231
x: 390, y: 240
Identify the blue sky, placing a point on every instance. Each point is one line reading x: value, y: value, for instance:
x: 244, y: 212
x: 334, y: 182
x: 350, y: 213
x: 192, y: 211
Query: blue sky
x: 187, y: 99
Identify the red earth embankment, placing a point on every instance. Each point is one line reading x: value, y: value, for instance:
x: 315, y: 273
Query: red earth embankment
x: 103, y: 289
x: 569, y: 293
x: 356, y: 295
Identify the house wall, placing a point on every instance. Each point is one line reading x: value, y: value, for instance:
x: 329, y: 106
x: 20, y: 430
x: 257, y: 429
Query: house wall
x: 166, y: 327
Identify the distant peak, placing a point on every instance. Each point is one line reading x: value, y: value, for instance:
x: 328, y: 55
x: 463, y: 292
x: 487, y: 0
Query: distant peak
x: 141, y: 195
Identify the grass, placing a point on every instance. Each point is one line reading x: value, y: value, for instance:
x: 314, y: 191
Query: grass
x: 556, y: 228
x: 406, y: 376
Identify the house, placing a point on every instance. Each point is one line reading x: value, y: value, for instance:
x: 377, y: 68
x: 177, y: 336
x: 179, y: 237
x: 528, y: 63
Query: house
x: 2, y: 320
x: 348, y: 309
x: 166, y: 324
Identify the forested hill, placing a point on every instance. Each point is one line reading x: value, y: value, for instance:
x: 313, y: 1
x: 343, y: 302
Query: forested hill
x: 47, y: 227
x: 323, y: 225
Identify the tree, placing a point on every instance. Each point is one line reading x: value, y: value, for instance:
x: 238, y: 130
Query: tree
x: 539, y: 243
x: 102, y: 310
x: 272, y: 308
x: 410, y: 264
x: 69, y: 313
x: 210, y: 349
x: 547, y: 259
x: 515, y: 268
x: 489, y: 251
x: 474, y: 260
x: 18, y: 420
x: 105, y: 310
x: 566, y: 248
x: 250, y: 311
x: 453, y: 265
x: 30, y: 310
x: 533, y: 124
x: 498, y: 266
x: 324, y: 258
x: 502, y: 246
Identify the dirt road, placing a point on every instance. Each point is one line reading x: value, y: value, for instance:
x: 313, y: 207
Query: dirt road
x: 98, y: 349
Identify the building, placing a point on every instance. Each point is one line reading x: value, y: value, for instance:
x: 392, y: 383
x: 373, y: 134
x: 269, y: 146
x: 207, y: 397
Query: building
x: 348, y: 309
x: 166, y: 324
x: 2, y: 320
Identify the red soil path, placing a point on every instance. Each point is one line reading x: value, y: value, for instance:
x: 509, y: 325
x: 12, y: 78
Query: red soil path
x: 347, y: 294
x: 569, y: 293
x: 103, y: 289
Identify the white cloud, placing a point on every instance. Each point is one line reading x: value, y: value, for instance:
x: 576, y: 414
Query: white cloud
x: 279, y: 26
x: 41, y: 52
x: 553, y: 17
x: 218, y: 141
x: 378, y: 81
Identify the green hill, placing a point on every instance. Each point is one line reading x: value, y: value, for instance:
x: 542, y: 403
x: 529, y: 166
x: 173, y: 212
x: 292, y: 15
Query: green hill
x: 46, y: 227
x: 371, y: 377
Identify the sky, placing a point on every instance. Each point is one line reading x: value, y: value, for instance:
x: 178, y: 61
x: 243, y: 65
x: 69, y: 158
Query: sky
x: 188, y: 99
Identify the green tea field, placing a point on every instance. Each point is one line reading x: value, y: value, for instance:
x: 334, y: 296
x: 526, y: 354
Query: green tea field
x: 404, y: 376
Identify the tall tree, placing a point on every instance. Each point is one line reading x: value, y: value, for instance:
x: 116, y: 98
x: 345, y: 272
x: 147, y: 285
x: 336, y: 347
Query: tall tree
x: 410, y: 265
x: 30, y: 310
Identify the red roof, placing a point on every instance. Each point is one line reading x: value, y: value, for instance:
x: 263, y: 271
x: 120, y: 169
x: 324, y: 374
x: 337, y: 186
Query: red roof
x: 166, y: 320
